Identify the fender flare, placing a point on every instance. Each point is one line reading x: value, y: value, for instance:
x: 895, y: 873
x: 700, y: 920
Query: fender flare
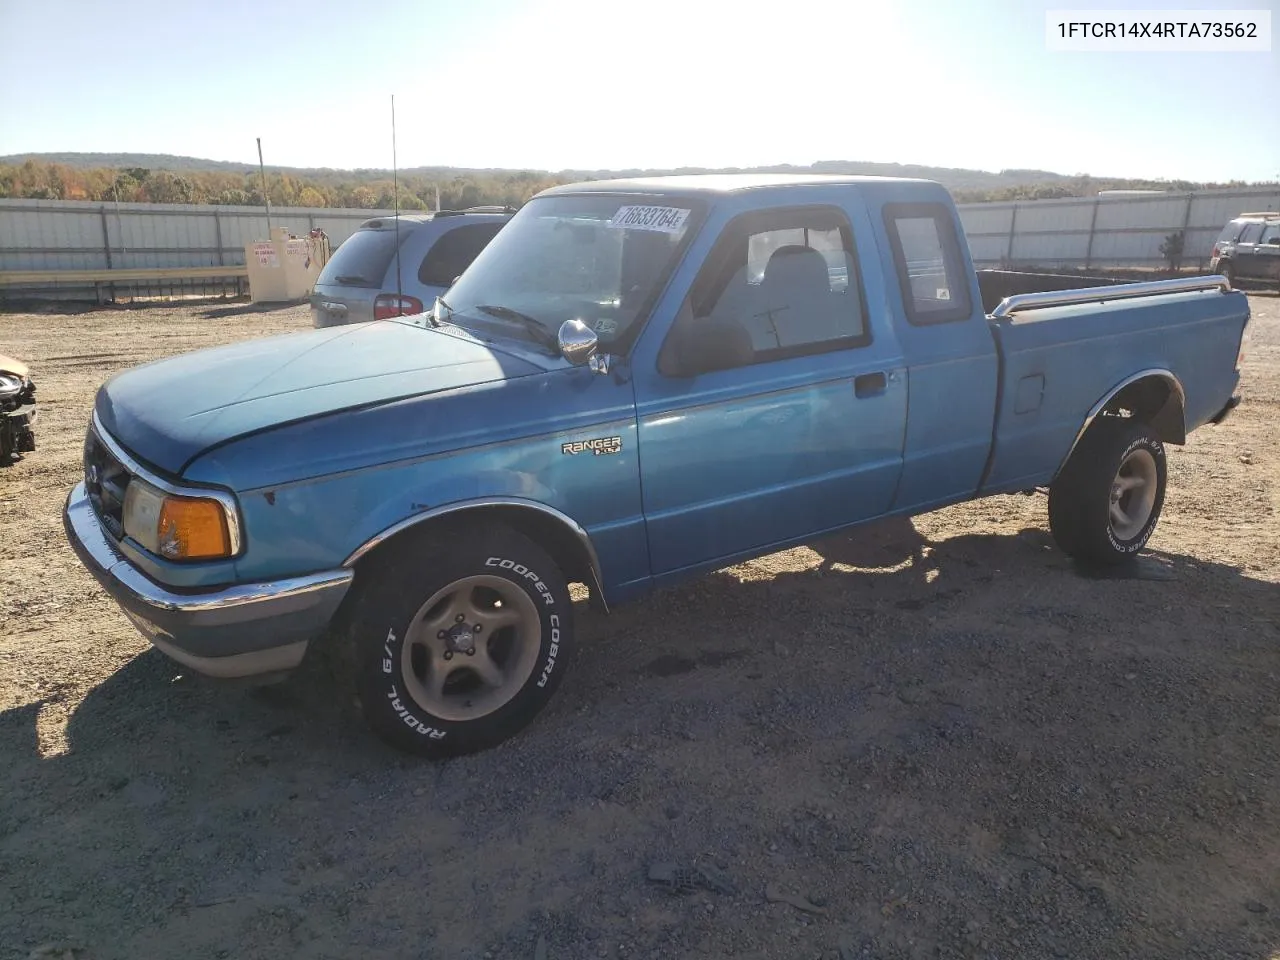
x: 571, y: 526
x: 1176, y: 393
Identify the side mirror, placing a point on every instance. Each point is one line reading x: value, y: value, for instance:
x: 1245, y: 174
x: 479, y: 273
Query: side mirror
x: 704, y: 345
x: 1274, y: 242
x: 577, y: 342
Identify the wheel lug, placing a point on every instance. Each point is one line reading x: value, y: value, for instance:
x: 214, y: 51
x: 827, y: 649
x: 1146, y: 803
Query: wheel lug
x: 441, y: 635
x: 448, y: 654
x: 476, y: 628
x: 459, y: 618
x: 471, y: 652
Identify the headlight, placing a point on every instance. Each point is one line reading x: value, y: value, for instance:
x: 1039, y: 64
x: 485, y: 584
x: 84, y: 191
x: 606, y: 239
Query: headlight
x: 173, y: 527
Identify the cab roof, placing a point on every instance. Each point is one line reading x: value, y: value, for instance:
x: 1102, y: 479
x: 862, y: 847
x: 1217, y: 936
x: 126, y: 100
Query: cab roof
x: 718, y: 183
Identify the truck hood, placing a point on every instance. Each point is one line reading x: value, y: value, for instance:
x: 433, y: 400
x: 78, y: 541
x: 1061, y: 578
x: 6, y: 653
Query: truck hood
x: 169, y: 412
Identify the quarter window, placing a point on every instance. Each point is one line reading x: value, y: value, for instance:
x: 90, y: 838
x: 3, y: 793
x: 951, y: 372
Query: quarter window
x: 926, y: 253
x: 789, y: 277
x: 1251, y: 233
x: 453, y: 252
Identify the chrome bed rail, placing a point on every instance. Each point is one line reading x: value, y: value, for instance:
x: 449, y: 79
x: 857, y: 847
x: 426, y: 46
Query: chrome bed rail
x: 1123, y: 291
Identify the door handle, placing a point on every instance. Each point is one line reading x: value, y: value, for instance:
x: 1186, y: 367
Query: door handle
x: 869, y: 384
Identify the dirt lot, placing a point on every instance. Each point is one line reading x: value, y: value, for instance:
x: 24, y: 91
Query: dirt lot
x: 938, y: 734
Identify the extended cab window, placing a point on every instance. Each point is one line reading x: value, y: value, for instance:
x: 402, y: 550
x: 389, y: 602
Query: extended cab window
x: 453, y: 252
x: 926, y: 253
x: 789, y: 278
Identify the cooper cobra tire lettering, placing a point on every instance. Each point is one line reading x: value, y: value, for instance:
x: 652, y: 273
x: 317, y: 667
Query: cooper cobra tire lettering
x: 520, y: 570
x: 552, y: 653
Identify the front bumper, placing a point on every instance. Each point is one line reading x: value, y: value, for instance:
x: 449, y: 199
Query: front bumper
x: 245, y: 630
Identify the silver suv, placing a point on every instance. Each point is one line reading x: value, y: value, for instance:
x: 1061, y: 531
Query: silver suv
x: 359, y: 281
x: 1249, y: 248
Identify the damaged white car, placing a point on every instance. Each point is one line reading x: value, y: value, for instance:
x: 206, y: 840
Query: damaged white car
x: 17, y: 409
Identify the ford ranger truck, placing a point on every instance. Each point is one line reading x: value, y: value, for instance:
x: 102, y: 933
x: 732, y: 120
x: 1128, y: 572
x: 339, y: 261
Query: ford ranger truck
x: 635, y: 383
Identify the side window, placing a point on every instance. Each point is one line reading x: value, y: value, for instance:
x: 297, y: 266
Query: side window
x: 453, y: 252
x: 1251, y: 233
x: 789, y: 277
x: 1271, y: 234
x: 926, y: 254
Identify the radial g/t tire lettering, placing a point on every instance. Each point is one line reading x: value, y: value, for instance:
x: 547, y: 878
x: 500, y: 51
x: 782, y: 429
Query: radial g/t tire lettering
x: 460, y: 638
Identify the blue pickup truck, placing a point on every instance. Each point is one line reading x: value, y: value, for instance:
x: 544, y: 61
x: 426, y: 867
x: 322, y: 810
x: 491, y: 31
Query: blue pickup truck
x: 636, y: 382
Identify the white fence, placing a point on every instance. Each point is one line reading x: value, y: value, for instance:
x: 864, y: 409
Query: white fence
x: 1099, y: 232
x: 1091, y: 232
x: 80, y: 235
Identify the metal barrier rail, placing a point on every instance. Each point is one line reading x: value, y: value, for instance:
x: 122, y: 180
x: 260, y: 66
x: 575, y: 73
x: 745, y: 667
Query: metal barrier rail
x: 1124, y: 291
x: 15, y: 278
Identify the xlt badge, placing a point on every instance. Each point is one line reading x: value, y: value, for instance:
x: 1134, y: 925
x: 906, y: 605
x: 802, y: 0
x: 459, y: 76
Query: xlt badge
x: 600, y: 446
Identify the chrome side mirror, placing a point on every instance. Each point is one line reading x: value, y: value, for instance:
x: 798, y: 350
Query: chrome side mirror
x: 577, y: 342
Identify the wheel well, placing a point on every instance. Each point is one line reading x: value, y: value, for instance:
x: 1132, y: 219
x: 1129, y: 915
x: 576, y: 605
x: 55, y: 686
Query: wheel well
x: 1155, y: 401
x: 571, y: 555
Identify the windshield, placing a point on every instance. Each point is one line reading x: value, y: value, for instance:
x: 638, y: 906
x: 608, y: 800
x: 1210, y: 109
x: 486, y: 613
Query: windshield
x: 600, y: 259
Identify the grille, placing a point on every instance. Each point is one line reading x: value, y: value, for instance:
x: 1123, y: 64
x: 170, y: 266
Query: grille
x: 105, y: 480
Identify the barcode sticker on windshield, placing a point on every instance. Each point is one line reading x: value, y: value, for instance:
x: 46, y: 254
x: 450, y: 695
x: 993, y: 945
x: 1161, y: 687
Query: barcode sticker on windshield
x: 662, y: 219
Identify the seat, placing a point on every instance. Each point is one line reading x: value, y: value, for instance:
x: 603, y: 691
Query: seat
x: 794, y: 304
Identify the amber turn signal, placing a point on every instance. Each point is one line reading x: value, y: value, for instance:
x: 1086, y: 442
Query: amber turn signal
x: 193, y: 529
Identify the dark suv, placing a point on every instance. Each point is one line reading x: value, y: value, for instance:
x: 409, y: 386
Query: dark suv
x: 1249, y: 248
x: 359, y: 281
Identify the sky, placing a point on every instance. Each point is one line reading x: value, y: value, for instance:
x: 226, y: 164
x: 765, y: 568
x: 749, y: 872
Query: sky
x: 595, y: 84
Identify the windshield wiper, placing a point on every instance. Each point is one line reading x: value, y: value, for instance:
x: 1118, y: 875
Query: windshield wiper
x: 539, y: 332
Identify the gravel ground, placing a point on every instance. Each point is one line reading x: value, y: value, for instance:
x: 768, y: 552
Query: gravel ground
x: 931, y: 739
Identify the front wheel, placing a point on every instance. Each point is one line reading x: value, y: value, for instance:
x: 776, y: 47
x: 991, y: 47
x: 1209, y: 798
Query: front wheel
x: 460, y: 639
x: 1104, y: 505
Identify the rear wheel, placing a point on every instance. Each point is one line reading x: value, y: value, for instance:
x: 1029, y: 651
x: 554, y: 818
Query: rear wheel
x: 460, y: 639
x: 1105, y: 504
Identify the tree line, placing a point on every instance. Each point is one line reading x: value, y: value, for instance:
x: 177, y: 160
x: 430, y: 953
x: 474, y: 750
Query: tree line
x: 33, y: 179
x: 1084, y: 186
x: 53, y: 181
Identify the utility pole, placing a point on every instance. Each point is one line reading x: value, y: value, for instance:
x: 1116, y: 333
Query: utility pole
x: 265, y: 196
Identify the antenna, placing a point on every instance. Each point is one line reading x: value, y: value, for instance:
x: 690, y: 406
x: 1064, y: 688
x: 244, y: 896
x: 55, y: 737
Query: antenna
x: 395, y: 186
x: 265, y: 196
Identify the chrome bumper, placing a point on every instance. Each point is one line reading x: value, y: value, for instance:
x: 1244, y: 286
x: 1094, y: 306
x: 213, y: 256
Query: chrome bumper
x: 244, y: 630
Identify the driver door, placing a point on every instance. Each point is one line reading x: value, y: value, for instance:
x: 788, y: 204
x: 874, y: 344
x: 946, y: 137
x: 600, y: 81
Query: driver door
x: 804, y: 431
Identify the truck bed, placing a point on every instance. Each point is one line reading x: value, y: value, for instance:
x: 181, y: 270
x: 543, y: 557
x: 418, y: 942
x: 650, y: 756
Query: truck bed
x: 1057, y: 358
x: 995, y: 285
